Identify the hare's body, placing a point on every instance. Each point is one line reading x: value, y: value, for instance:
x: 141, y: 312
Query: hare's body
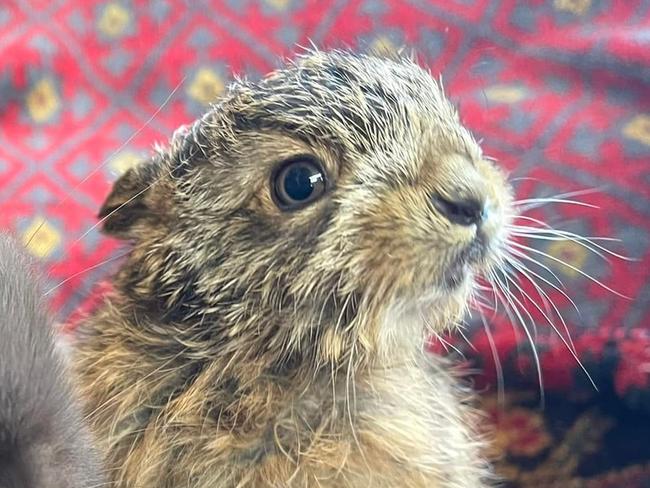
x: 291, y: 249
x: 180, y: 422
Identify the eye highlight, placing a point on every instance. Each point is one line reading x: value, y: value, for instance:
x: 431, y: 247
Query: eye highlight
x: 298, y: 182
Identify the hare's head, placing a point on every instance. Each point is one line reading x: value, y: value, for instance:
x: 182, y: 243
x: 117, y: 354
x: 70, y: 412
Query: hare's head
x: 336, y: 203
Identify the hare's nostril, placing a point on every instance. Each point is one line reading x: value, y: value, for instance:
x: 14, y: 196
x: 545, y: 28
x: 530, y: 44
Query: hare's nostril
x: 462, y: 212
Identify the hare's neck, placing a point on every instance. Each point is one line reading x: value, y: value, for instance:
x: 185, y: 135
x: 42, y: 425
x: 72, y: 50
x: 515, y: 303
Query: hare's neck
x: 135, y: 373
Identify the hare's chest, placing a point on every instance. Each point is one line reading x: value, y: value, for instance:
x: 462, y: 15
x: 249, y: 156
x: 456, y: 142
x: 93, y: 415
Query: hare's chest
x: 384, y: 434
x: 397, y: 427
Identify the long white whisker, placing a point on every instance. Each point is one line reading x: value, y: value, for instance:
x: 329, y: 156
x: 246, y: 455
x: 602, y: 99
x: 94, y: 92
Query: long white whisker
x: 562, y: 338
x: 563, y: 196
x: 512, y: 301
x: 533, y: 219
x: 546, y: 227
x: 491, y: 277
x: 523, y: 178
x: 521, y: 268
x: 570, y: 266
x: 546, y: 301
x: 112, y: 258
x: 497, y: 362
x: 446, y: 344
x: 477, y: 300
x: 509, y: 278
x: 531, y: 203
x: 577, y: 193
x: 466, y: 339
x: 516, y: 252
x: 560, y: 235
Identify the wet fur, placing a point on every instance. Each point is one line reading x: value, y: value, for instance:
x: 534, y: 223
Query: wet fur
x: 246, y: 346
x: 43, y: 440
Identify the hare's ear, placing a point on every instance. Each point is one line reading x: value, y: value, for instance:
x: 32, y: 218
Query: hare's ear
x: 131, y: 204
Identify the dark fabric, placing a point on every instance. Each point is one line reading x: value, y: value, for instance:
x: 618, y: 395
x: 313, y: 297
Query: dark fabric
x: 558, y: 90
x: 574, y: 441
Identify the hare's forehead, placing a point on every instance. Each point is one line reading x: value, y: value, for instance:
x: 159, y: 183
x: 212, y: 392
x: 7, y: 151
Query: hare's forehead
x: 351, y: 106
x: 359, y: 111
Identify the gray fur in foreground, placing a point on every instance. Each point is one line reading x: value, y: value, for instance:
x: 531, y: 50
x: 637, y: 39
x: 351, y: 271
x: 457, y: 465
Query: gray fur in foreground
x: 43, y: 441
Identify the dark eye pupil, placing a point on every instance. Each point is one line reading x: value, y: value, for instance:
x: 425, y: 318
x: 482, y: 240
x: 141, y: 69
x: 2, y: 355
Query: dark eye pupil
x: 299, y: 182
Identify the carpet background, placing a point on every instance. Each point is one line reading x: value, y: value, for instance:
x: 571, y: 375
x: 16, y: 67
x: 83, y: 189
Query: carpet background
x: 559, y: 91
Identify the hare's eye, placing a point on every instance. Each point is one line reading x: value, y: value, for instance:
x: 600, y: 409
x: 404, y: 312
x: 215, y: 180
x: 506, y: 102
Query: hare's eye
x: 297, y: 182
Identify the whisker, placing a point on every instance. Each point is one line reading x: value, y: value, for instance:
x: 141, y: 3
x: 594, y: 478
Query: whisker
x: 570, y: 266
x: 561, y: 238
x: 450, y: 345
x: 466, y: 339
x: 531, y: 203
x: 523, y: 178
x: 569, y: 194
x: 558, y: 234
x: 498, y: 298
x: 516, y: 252
x: 509, y: 277
x: 546, y: 227
x: 476, y: 298
x: 443, y: 343
x: 479, y: 304
x: 512, y: 301
x: 562, y: 338
x: 495, y: 299
x: 497, y: 362
x: 588, y: 242
x: 532, y: 219
x: 521, y: 268
x: 547, y: 303
x: 106, y: 261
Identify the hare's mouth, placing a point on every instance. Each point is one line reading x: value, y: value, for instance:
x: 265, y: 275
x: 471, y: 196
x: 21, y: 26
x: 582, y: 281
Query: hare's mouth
x: 465, y: 263
x: 456, y: 275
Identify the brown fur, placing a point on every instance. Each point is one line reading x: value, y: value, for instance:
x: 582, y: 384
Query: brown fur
x: 247, y: 346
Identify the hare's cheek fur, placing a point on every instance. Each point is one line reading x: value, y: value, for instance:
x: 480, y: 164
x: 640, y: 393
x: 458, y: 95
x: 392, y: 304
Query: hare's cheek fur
x: 413, y: 258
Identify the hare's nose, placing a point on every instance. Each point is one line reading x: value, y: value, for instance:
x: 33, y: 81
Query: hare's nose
x: 465, y: 212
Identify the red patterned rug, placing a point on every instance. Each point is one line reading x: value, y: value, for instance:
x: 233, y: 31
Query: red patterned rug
x: 558, y: 90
